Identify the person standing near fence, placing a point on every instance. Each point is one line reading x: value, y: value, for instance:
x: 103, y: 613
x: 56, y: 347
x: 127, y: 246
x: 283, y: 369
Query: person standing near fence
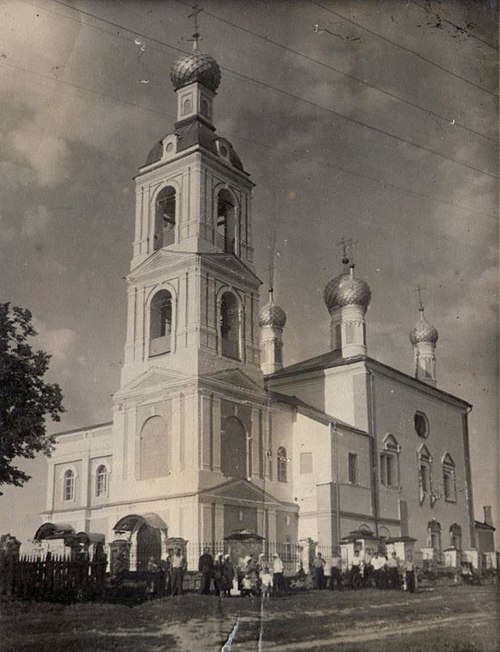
x: 410, y: 573
x: 206, y: 570
x: 336, y: 572
x: 228, y: 575
x: 355, y: 570
x: 393, y: 571
x: 178, y: 568
x: 319, y: 571
x: 277, y: 573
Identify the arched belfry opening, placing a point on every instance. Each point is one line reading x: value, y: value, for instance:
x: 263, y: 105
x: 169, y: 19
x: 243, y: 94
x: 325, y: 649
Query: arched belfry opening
x: 160, y: 323
x: 226, y: 221
x: 233, y: 449
x: 230, y: 326
x: 165, y: 207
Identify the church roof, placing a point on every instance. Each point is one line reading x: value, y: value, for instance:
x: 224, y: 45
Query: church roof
x: 195, y: 131
x: 334, y: 359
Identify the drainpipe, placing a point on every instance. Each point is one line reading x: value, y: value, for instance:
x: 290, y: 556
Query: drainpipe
x: 335, y: 446
x: 468, y: 474
x: 373, y: 451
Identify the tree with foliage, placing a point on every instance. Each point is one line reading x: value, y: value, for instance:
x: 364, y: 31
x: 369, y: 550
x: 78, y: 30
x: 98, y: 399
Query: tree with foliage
x: 25, y: 398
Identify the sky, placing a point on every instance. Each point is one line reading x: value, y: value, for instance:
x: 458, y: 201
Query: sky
x: 370, y: 120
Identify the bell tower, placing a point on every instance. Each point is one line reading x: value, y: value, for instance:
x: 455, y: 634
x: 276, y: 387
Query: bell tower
x: 192, y: 291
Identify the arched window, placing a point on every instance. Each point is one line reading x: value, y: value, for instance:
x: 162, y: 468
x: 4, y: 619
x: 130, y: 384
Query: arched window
x: 449, y: 479
x: 230, y: 326
x: 160, y: 323
x: 226, y: 222
x: 233, y: 449
x: 389, y: 462
x: 456, y: 536
x: 282, y: 462
x: 154, y: 449
x: 69, y: 485
x: 434, y: 530
x: 424, y: 472
x: 165, y: 218
x: 101, y: 481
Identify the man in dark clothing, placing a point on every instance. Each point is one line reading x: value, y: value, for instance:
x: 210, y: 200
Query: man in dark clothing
x: 206, y: 569
x: 319, y: 571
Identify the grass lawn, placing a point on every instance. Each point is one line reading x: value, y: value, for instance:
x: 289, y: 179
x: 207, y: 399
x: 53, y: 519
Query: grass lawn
x: 458, y: 619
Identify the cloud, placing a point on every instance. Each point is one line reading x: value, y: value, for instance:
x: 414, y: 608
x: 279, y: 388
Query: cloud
x: 7, y: 234
x: 60, y: 343
x: 36, y: 219
x: 46, y: 153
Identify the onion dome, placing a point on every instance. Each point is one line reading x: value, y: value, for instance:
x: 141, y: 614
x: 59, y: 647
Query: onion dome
x: 271, y: 314
x: 195, y: 67
x: 346, y: 290
x: 423, y: 331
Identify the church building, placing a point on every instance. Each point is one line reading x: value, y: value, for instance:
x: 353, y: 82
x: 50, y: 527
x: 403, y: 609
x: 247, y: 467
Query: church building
x: 210, y: 433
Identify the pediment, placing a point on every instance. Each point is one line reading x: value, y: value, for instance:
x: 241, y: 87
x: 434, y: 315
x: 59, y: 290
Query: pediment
x: 154, y: 377
x: 236, y: 379
x: 240, y: 490
x: 158, y: 261
x: 229, y: 263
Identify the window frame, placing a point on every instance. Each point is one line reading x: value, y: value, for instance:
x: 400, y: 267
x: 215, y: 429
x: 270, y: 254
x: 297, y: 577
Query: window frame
x: 448, y: 470
x: 281, y: 465
x: 352, y: 457
x: 425, y: 421
x: 158, y: 311
x: 424, y: 458
x: 101, y: 492
x: 389, y: 457
x: 69, y: 474
x: 230, y: 322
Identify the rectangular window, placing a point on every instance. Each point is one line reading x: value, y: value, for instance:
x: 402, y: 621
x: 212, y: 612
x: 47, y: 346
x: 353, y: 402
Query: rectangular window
x: 353, y: 468
x: 449, y: 485
x: 388, y: 474
x: 306, y: 463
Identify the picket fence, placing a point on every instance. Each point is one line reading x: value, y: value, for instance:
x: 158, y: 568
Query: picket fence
x: 54, y: 577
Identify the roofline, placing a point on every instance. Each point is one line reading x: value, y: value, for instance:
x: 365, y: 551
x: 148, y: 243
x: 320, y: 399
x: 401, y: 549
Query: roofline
x: 341, y: 362
x: 312, y: 412
x: 418, y: 384
x: 83, y: 429
x: 484, y: 526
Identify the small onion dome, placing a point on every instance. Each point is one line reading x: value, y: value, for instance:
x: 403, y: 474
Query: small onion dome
x: 346, y: 290
x: 195, y: 67
x: 272, y: 315
x: 423, y: 331
x: 330, y: 293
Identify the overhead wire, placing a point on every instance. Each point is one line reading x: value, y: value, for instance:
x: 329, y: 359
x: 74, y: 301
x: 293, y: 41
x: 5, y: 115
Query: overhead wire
x: 290, y: 95
x: 379, y: 182
x: 328, y: 66
x: 459, y: 28
x: 404, y: 48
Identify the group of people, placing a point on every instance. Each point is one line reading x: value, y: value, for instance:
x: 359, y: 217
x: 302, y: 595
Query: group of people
x: 252, y: 576
x: 381, y: 571
x: 170, y: 571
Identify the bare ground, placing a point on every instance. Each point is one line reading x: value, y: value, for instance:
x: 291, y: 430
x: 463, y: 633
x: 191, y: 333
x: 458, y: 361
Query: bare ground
x: 447, y: 619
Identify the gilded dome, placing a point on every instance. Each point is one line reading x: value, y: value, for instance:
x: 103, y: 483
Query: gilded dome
x: 195, y: 67
x: 423, y: 331
x: 272, y: 315
x: 346, y: 290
